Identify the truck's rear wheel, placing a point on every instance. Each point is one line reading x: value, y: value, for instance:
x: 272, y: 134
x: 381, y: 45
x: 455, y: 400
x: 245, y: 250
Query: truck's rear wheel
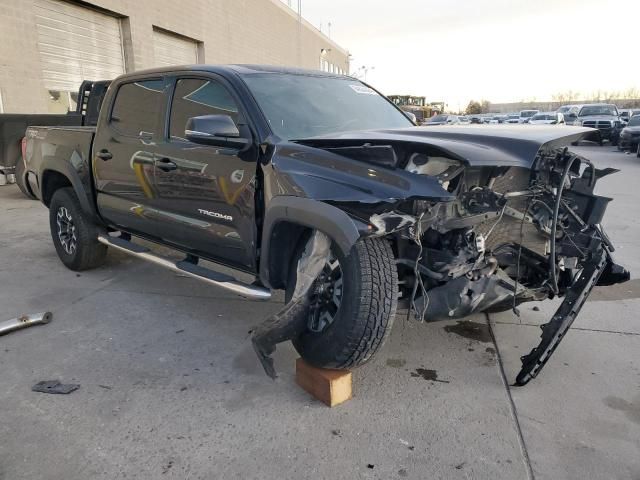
x: 73, y: 234
x: 356, y: 298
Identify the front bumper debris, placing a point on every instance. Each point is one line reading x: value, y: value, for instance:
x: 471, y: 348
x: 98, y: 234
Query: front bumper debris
x: 24, y: 321
x: 291, y: 321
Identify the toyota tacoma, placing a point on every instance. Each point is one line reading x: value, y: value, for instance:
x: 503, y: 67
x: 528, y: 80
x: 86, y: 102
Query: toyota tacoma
x: 317, y: 185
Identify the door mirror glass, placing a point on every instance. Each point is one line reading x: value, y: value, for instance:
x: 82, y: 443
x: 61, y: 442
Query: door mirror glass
x: 217, y: 130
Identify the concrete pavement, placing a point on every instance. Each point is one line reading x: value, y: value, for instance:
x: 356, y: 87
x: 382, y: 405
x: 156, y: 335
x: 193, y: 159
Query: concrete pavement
x: 172, y: 389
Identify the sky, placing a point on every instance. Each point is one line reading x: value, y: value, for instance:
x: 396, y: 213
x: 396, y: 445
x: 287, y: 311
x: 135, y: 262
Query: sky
x: 499, y: 50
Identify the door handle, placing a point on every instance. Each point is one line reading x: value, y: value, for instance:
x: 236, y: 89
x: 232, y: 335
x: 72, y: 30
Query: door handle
x: 166, y: 165
x: 104, y: 154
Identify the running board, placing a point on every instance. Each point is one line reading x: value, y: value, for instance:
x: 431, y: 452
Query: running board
x: 187, y: 268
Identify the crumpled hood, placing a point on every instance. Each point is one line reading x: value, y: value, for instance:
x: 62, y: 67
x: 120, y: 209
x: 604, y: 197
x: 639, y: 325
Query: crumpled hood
x: 484, y: 145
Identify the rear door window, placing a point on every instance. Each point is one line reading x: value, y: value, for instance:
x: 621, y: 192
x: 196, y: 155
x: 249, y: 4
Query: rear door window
x: 137, y: 108
x: 195, y: 97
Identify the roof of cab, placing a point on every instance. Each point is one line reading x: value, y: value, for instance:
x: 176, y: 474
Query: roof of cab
x: 240, y: 69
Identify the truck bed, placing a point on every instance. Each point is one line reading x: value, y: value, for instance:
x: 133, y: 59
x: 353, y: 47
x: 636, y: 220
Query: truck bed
x: 61, y: 149
x: 13, y: 127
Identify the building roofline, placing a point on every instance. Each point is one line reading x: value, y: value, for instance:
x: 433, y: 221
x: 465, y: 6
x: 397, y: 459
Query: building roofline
x: 310, y: 26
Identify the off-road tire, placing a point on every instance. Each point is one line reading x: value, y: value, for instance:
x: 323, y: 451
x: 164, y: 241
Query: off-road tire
x: 88, y: 252
x: 365, y: 317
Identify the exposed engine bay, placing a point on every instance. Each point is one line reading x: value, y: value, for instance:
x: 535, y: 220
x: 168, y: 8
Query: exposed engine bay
x: 508, y: 235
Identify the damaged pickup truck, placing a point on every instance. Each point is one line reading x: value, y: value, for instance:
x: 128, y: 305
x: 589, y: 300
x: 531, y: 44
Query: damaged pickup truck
x: 317, y: 185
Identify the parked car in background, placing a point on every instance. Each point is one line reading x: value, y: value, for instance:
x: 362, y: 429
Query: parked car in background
x: 498, y: 119
x: 602, y: 116
x: 525, y: 115
x: 464, y: 119
x: 512, y: 118
x: 567, y: 110
x: 627, y: 113
x: 630, y: 135
x: 476, y: 119
x: 442, y: 119
x: 547, y: 118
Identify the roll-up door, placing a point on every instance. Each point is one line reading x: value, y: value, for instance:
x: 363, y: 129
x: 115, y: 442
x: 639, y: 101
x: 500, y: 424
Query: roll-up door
x: 76, y: 43
x: 170, y: 49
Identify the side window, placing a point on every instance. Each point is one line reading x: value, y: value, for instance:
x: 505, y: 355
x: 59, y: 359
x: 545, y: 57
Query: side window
x: 137, y: 107
x: 196, y: 97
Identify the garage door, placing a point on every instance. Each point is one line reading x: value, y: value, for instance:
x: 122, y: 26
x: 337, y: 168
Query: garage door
x: 76, y: 43
x: 170, y: 49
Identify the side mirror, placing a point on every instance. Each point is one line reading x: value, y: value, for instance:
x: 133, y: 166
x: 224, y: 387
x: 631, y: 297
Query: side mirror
x: 218, y: 130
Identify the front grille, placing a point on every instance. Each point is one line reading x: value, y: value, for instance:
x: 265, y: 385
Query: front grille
x: 603, y: 125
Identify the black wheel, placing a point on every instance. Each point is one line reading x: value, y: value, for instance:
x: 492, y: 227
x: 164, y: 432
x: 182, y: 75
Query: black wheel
x: 21, y: 179
x: 353, y: 306
x: 73, y: 234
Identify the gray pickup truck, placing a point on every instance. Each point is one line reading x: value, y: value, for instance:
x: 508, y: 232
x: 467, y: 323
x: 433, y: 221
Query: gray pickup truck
x: 602, y: 116
x: 317, y: 185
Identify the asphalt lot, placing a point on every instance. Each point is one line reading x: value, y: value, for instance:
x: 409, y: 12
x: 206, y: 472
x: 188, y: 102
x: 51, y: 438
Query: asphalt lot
x: 170, y: 387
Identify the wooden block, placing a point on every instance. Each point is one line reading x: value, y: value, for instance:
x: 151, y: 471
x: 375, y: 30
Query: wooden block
x: 332, y: 387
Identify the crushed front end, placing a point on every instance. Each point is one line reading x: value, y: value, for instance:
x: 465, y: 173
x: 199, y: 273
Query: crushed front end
x: 512, y: 235
x: 521, y: 223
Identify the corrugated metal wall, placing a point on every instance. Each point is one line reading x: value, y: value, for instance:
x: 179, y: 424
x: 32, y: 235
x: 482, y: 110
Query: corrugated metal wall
x: 76, y: 43
x: 171, y: 49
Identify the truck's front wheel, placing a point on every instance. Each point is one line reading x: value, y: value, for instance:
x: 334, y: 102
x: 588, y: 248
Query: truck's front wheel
x: 353, y: 306
x: 73, y: 234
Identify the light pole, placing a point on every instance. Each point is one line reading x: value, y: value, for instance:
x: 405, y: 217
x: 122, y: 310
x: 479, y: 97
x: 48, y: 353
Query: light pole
x: 365, y: 70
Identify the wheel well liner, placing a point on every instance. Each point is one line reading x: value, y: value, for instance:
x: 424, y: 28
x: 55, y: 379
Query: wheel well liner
x: 287, y: 219
x: 52, y: 181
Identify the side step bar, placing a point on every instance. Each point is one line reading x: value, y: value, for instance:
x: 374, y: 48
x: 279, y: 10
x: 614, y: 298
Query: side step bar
x: 187, y: 268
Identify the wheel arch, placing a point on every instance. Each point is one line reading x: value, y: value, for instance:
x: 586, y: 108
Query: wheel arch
x: 53, y: 179
x: 287, y: 220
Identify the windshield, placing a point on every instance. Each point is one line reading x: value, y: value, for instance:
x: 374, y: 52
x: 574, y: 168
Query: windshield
x: 528, y: 113
x: 592, y: 110
x: 304, y: 106
x: 564, y: 109
x: 634, y: 121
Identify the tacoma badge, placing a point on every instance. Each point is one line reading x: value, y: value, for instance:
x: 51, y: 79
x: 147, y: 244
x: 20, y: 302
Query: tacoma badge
x: 215, y: 215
